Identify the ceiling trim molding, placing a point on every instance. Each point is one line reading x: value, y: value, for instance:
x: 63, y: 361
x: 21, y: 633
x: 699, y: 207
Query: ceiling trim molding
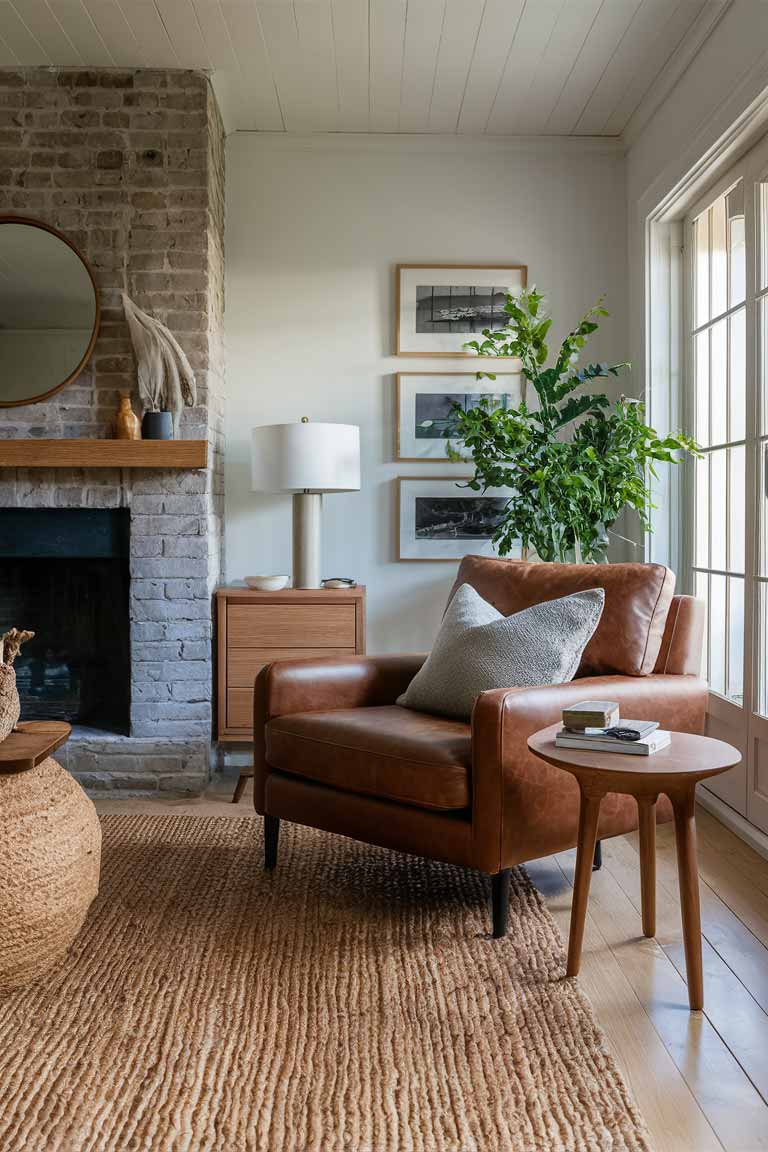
x: 433, y: 143
x: 678, y: 63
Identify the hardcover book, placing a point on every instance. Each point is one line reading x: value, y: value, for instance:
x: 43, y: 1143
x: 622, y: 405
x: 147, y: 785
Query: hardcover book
x: 591, y: 714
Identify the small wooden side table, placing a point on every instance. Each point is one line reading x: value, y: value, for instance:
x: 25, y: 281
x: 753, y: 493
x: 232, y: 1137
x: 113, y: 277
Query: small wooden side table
x: 255, y: 628
x: 675, y: 771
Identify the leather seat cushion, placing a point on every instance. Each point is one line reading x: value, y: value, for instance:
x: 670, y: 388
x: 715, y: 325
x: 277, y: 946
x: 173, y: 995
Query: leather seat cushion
x: 391, y: 752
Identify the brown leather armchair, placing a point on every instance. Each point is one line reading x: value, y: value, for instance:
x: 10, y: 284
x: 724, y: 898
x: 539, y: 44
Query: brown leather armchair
x: 332, y: 749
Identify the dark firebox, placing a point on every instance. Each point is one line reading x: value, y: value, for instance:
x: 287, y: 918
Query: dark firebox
x: 64, y: 573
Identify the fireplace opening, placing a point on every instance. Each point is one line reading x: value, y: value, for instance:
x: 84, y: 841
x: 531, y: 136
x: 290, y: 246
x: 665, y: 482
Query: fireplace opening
x: 64, y: 573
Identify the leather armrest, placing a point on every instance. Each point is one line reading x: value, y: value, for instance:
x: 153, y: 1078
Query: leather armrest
x: 321, y: 684
x: 518, y: 801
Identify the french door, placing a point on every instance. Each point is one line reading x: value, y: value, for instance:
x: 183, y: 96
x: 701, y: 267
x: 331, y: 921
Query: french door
x: 726, y: 241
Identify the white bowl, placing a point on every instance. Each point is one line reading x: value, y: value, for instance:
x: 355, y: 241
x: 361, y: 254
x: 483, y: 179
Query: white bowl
x: 267, y: 583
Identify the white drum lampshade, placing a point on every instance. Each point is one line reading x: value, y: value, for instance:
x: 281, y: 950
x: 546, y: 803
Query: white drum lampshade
x: 307, y: 460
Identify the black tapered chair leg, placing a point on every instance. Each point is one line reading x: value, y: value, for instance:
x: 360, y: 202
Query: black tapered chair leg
x: 597, y: 859
x: 271, y: 835
x: 500, y: 902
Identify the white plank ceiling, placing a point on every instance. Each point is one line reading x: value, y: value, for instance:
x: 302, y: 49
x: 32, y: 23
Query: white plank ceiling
x: 562, y: 67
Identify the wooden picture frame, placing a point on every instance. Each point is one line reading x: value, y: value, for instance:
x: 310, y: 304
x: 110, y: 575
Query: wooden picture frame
x: 510, y: 385
x: 444, y: 547
x: 409, y: 341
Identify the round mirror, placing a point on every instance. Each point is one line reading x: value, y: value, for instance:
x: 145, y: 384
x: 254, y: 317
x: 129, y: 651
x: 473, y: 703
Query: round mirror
x: 49, y: 311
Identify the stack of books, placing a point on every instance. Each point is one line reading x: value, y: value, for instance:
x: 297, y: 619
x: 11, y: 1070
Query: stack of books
x: 596, y: 725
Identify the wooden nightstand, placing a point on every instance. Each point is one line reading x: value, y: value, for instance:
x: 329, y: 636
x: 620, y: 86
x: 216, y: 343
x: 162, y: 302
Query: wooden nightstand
x: 255, y: 628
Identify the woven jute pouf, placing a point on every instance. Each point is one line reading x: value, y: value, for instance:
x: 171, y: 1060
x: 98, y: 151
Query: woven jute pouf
x: 10, y: 708
x: 50, y: 854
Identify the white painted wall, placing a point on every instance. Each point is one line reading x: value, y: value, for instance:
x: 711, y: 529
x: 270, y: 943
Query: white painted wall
x: 314, y: 229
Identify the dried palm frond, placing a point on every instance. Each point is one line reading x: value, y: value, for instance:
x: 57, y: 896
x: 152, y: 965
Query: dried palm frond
x: 11, y: 642
x: 165, y: 377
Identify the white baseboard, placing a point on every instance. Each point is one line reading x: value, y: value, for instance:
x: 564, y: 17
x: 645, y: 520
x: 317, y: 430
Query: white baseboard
x: 737, y: 824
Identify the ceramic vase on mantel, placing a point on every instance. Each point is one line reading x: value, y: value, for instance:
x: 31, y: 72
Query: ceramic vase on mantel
x: 157, y: 426
x: 127, y: 426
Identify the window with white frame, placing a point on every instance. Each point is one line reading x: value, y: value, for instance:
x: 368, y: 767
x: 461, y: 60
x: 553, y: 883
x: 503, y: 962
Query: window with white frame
x: 726, y: 403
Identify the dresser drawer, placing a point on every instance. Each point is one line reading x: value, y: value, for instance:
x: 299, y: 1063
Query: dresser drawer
x: 305, y: 626
x: 240, y: 709
x: 244, y: 663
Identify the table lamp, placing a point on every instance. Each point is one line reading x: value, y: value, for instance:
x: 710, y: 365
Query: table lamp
x: 305, y: 459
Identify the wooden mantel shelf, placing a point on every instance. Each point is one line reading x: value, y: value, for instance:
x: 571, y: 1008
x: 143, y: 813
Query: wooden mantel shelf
x: 103, y: 453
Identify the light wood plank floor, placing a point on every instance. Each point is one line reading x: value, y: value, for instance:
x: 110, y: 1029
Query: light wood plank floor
x: 701, y: 1080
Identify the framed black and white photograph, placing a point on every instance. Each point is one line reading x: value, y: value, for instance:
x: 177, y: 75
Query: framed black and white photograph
x: 426, y: 416
x: 441, y: 519
x: 440, y: 307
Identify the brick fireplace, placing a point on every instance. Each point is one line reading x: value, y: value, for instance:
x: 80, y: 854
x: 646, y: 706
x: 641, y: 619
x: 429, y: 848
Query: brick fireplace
x: 130, y: 166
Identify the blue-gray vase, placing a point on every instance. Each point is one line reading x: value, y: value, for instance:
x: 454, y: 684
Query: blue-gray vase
x: 157, y: 426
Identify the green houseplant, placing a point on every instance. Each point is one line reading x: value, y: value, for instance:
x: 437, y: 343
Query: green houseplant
x: 572, y: 459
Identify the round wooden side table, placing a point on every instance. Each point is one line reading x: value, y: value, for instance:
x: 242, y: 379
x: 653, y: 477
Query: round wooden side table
x: 675, y: 771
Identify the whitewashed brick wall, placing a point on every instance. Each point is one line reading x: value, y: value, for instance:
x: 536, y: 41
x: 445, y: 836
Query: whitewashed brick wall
x: 130, y: 166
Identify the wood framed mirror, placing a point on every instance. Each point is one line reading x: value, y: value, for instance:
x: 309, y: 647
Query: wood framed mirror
x: 49, y: 311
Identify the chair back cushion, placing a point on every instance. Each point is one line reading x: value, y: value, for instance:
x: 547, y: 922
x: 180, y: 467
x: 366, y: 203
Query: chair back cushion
x: 628, y: 638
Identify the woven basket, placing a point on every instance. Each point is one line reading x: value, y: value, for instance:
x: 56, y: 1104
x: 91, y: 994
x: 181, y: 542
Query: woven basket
x: 10, y: 709
x: 50, y: 851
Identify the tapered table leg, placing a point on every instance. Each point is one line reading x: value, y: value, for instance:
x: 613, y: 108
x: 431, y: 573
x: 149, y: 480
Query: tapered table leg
x: 646, y: 807
x: 585, y: 852
x: 683, y: 804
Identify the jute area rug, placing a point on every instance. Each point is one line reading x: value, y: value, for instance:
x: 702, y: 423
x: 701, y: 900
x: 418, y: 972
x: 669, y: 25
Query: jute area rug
x: 350, y: 1002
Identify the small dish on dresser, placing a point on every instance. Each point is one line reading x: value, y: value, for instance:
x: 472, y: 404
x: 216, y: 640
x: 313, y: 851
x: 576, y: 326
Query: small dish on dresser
x: 267, y: 583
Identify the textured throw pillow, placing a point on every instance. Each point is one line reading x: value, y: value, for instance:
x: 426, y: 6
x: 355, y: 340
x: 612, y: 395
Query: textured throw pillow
x: 478, y: 649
